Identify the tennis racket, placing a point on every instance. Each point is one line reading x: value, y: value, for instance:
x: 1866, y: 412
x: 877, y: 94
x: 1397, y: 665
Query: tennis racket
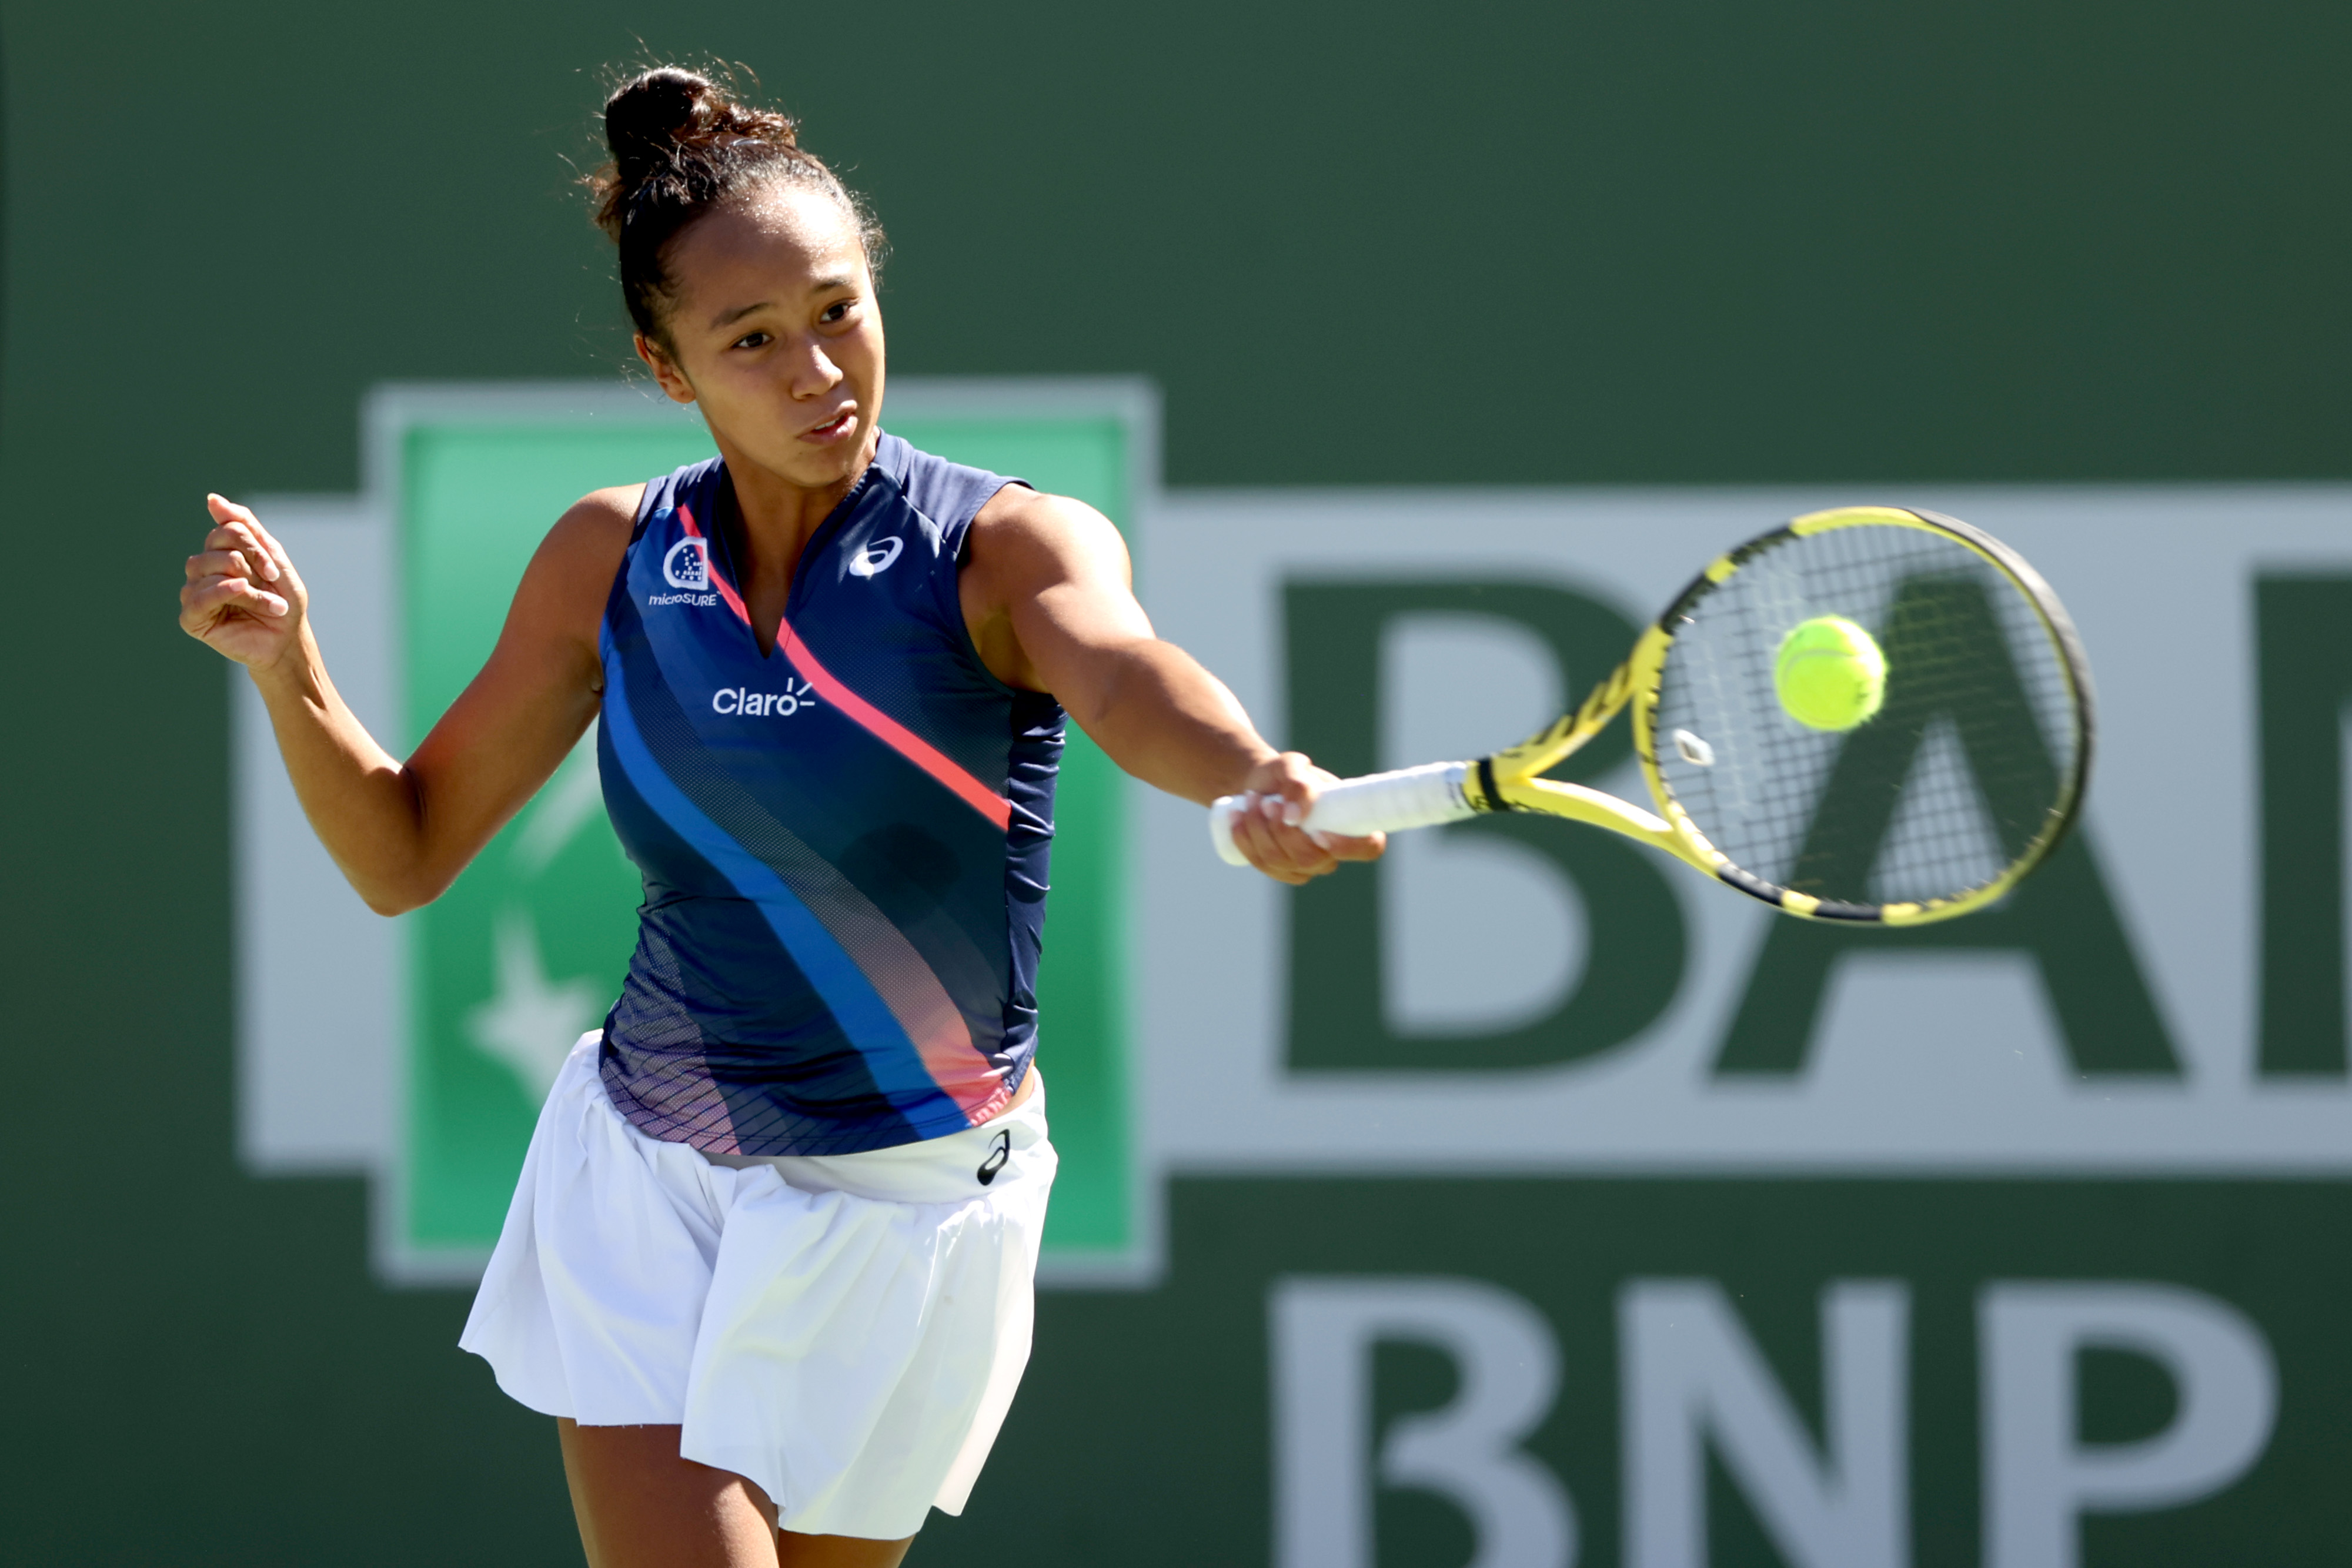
x: 1965, y: 779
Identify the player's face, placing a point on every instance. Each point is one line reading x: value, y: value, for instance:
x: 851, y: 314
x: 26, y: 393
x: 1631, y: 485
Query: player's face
x: 777, y: 335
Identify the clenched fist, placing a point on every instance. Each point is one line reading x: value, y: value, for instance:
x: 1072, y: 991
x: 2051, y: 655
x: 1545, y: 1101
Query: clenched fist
x: 242, y: 597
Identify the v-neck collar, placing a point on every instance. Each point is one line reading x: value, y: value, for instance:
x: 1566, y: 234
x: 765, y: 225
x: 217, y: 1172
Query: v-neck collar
x: 726, y: 523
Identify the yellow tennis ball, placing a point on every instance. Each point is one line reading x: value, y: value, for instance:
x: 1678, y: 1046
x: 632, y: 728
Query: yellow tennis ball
x: 1830, y: 673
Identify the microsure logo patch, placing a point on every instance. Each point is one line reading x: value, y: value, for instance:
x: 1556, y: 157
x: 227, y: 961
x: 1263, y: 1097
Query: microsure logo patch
x: 687, y: 565
x: 687, y: 568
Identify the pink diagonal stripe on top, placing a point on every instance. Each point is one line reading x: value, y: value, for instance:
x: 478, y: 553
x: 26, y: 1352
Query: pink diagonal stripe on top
x: 726, y: 589
x: 893, y: 734
x: 889, y: 962
x: 880, y: 725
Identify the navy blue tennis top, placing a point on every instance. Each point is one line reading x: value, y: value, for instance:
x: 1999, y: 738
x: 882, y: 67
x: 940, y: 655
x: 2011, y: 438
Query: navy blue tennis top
x: 844, y: 843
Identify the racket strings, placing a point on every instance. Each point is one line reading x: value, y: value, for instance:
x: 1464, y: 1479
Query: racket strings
x: 1955, y: 782
x: 1954, y: 779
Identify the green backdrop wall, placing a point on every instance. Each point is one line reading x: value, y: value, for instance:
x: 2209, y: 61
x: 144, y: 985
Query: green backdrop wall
x: 1506, y: 243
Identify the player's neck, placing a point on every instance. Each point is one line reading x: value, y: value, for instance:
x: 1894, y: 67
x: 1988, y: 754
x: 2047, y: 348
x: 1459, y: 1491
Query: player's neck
x: 777, y: 515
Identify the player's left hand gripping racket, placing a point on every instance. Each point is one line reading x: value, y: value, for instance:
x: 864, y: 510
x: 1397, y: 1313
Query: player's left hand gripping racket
x: 1962, y: 780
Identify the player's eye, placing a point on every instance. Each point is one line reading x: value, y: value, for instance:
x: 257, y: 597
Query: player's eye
x: 840, y: 310
x: 751, y: 341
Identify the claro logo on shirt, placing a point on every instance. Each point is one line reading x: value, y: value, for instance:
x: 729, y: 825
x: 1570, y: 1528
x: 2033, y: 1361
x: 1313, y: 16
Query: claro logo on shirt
x: 740, y: 701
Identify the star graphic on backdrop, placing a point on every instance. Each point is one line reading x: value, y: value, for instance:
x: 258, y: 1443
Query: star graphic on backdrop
x: 530, y: 1022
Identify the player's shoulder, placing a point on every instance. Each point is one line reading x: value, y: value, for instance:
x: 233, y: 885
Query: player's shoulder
x: 1025, y: 541
x: 583, y: 550
x: 600, y: 513
x: 1037, y: 517
x: 597, y: 526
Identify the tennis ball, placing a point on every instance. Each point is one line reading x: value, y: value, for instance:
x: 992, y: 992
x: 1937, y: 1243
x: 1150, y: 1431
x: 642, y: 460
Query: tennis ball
x: 1830, y: 673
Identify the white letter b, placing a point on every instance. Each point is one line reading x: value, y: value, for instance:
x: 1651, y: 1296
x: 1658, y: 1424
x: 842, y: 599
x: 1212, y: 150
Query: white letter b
x: 1323, y: 1332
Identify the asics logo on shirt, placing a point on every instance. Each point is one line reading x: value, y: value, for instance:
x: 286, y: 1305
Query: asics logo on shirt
x: 740, y: 701
x: 687, y: 565
x: 875, y: 558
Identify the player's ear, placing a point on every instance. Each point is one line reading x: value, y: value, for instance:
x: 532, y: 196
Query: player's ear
x: 671, y: 380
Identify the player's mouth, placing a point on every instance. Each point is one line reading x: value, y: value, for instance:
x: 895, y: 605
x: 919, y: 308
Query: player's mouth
x: 838, y: 428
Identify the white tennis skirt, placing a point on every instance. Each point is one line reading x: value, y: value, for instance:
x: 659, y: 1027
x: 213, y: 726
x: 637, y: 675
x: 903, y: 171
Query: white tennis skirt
x: 846, y: 1331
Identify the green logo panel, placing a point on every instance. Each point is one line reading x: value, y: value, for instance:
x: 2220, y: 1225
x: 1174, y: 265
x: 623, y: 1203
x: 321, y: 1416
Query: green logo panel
x: 526, y: 951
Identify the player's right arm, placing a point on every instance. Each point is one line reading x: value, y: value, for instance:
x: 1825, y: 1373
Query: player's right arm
x: 402, y: 831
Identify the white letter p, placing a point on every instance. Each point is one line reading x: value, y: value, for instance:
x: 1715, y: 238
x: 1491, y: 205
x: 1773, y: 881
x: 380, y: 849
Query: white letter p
x: 2039, y: 1474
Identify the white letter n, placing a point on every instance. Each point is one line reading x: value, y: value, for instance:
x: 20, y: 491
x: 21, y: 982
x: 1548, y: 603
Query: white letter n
x: 1689, y: 1373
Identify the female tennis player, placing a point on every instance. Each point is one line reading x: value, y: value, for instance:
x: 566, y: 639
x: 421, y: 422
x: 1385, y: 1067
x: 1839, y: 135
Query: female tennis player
x: 770, y: 1261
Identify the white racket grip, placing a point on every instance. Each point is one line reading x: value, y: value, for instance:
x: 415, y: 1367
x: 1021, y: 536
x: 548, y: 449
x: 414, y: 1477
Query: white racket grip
x: 1376, y: 803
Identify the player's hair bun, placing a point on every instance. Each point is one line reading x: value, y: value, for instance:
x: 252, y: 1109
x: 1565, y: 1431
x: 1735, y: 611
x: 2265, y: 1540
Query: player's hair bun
x: 667, y: 117
x: 681, y: 144
x: 679, y: 138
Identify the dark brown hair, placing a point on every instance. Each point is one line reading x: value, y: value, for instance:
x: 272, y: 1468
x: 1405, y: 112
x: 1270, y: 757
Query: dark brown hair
x: 681, y: 146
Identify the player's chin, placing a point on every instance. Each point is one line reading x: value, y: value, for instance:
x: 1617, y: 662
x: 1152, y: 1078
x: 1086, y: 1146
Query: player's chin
x: 811, y: 465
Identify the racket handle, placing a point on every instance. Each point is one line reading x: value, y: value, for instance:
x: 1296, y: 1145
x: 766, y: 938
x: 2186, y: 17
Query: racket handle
x: 1376, y: 803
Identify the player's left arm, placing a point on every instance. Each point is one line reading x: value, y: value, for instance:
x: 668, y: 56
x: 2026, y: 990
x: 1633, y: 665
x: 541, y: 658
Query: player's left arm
x: 1048, y: 593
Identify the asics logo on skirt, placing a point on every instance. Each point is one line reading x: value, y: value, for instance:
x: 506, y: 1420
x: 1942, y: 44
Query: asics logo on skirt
x: 998, y: 1153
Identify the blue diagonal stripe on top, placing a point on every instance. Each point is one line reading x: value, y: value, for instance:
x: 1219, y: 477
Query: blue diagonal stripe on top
x: 891, y: 1059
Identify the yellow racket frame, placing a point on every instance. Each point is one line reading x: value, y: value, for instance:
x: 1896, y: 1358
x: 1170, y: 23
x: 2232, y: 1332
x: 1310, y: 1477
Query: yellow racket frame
x: 1510, y: 779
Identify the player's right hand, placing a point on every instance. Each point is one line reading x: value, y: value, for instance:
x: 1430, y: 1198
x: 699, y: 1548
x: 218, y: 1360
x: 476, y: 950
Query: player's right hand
x: 1277, y: 796
x: 242, y: 597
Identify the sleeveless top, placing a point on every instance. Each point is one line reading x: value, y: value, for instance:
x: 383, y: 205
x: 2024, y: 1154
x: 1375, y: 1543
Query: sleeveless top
x: 844, y: 844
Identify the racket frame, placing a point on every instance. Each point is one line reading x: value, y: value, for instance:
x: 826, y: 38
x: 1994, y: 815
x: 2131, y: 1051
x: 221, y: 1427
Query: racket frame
x: 1510, y: 779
